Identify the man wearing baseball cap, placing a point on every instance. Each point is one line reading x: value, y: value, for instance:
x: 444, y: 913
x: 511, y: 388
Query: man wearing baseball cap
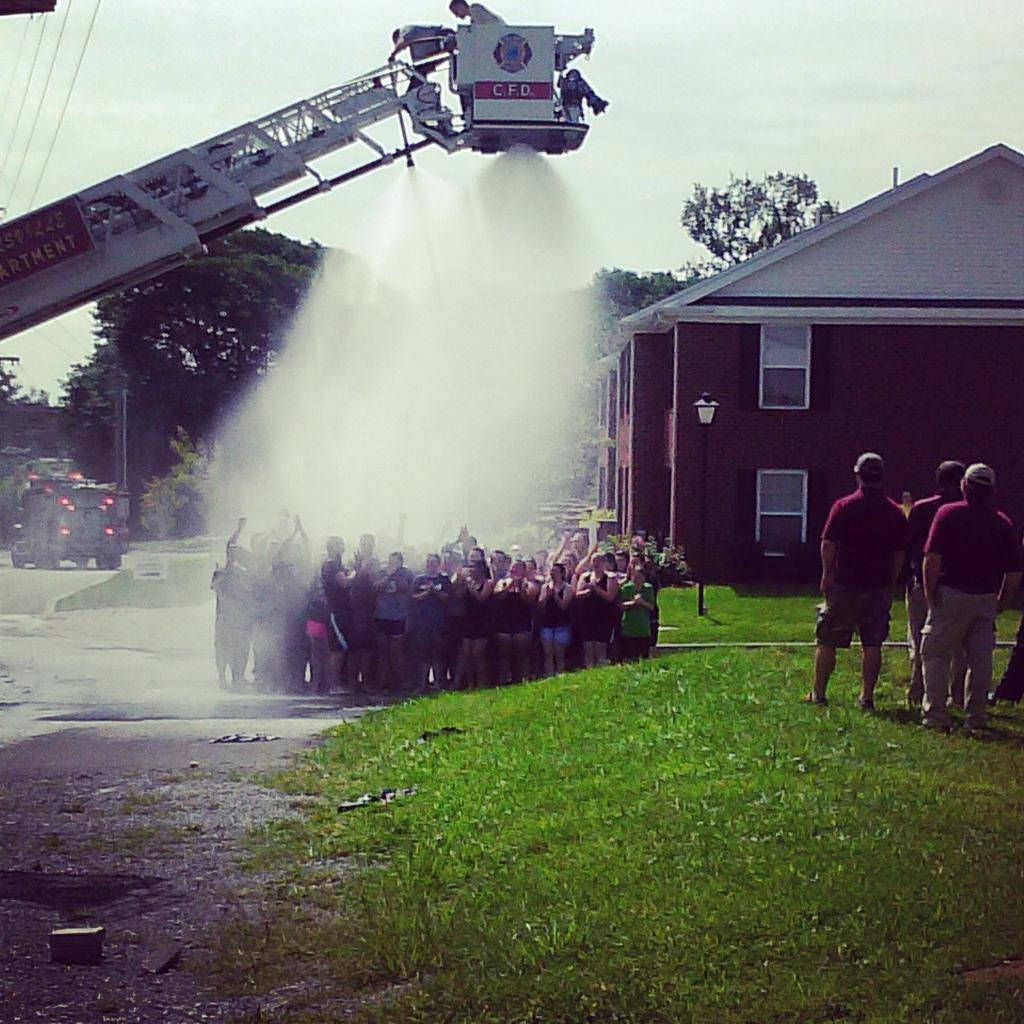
x: 919, y: 523
x: 862, y: 550
x: 972, y: 567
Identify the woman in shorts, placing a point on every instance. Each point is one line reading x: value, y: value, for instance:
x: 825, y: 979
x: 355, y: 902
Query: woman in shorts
x: 555, y: 621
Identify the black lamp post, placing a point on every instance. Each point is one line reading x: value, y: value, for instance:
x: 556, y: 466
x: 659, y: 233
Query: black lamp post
x: 706, y: 408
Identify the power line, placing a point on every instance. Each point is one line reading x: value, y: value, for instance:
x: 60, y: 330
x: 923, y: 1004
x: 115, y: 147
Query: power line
x: 42, y: 100
x: 54, y: 344
x: 24, y: 99
x: 14, y: 72
x: 67, y: 101
x: 63, y: 329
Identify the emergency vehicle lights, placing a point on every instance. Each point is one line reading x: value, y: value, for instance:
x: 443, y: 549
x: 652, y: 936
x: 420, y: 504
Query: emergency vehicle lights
x: 109, y: 531
x: 65, y: 531
x: 65, y: 500
x: 70, y: 507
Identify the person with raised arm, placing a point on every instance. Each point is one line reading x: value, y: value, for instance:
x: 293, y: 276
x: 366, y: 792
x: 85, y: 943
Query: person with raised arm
x: 597, y: 595
x: 514, y: 596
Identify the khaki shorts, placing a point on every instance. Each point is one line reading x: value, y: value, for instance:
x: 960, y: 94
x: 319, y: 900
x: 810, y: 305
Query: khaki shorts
x: 846, y: 611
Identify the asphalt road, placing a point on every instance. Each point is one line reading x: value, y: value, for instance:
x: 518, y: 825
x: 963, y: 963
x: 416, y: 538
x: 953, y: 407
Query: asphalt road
x: 110, y: 688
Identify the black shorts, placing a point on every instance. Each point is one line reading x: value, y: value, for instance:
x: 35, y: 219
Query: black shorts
x: 846, y: 610
x: 333, y: 643
x: 389, y: 627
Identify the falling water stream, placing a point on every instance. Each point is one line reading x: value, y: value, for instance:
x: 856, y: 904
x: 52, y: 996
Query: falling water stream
x: 435, y: 379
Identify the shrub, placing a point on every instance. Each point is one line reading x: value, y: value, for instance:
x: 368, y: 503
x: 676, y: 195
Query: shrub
x: 175, y: 505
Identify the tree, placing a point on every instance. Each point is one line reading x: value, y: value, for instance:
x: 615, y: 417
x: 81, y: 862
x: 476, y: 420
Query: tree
x: 621, y: 292
x: 10, y: 389
x: 184, y: 347
x: 174, y: 505
x: 617, y: 293
x: 217, y: 320
x: 746, y: 217
x: 88, y: 410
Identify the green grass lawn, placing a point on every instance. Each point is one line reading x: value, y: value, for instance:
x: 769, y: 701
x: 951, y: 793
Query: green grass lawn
x: 678, y: 841
x: 762, y: 613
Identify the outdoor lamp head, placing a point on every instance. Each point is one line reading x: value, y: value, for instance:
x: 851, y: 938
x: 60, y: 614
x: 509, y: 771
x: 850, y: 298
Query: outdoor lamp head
x: 706, y: 407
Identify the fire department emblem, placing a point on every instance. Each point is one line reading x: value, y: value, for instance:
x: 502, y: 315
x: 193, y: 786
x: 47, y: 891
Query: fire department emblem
x: 512, y: 53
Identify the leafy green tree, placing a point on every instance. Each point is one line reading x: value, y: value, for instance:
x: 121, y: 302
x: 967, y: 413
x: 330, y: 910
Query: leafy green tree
x: 216, y: 321
x: 175, y: 505
x: 746, y: 216
x: 10, y: 389
x: 621, y: 292
x: 88, y: 411
x: 12, y: 485
x: 184, y: 347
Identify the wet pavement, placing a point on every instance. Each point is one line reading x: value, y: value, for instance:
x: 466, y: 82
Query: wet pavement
x: 116, y: 809
x: 128, y: 686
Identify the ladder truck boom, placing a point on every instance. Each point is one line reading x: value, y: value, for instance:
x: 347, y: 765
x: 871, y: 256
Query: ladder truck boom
x: 137, y: 225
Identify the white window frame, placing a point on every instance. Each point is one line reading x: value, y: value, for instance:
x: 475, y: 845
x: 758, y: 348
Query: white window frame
x: 803, y: 514
x: 806, y: 367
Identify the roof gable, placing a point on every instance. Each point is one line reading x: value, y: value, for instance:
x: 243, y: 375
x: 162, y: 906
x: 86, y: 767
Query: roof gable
x: 958, y: 234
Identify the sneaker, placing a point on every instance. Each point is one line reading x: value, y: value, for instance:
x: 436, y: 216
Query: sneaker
x: 866, y: 703
x: 927, y: 723
x: 813, y: 698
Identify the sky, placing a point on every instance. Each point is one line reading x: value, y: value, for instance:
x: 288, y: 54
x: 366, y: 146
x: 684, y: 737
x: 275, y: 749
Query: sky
x: 842, y: 90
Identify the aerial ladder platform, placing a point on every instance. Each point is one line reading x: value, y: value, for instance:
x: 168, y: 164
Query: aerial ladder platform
x: 510, y: 82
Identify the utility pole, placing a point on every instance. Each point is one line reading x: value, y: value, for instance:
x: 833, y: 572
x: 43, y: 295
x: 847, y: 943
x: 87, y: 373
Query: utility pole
x: 121, y: 436
x: 120, y: 399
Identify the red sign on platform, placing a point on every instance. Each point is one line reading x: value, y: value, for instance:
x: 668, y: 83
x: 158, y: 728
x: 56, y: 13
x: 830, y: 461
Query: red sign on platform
x: 42, y: 240
x: 512, y: 91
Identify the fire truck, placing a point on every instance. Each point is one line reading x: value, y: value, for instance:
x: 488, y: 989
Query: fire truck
x: 501, y: 86
x: 70, y: 519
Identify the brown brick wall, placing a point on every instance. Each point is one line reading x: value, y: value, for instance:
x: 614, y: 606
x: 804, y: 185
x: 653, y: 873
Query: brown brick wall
x: 917, y: 395
x: 652, y: 400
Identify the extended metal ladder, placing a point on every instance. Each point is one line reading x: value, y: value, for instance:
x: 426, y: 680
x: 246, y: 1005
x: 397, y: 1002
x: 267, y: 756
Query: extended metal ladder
x: 134, y: 226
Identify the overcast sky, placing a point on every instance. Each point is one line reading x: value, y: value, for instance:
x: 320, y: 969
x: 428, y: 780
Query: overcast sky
x: 842, y: 90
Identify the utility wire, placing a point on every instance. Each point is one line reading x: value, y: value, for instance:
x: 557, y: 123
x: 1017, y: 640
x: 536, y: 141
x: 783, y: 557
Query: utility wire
x: 14, y: 72
x: 42, y: 100
x: 67, y: 101
x: 24, y: 99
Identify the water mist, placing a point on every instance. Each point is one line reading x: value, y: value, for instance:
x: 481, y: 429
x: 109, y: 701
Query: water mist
x: 435, y: 379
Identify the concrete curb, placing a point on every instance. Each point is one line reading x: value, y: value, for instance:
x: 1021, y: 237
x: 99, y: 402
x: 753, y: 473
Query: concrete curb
x: 760, y: 645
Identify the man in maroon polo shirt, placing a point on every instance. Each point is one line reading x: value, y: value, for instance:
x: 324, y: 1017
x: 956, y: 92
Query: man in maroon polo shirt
x: 919, y: 524
x: 972, y: 567
x: 862, y: 550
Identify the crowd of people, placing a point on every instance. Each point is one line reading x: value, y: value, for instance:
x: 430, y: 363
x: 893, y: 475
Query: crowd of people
x: 469, y: 618
x: 472, y: 617
x: 960, y: 560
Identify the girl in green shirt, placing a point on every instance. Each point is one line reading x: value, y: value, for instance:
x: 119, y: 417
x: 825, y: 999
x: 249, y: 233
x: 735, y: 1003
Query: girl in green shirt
x: 637, y: 596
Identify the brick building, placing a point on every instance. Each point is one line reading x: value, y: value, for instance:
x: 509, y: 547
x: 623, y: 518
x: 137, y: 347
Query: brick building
x: 897, y: 326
